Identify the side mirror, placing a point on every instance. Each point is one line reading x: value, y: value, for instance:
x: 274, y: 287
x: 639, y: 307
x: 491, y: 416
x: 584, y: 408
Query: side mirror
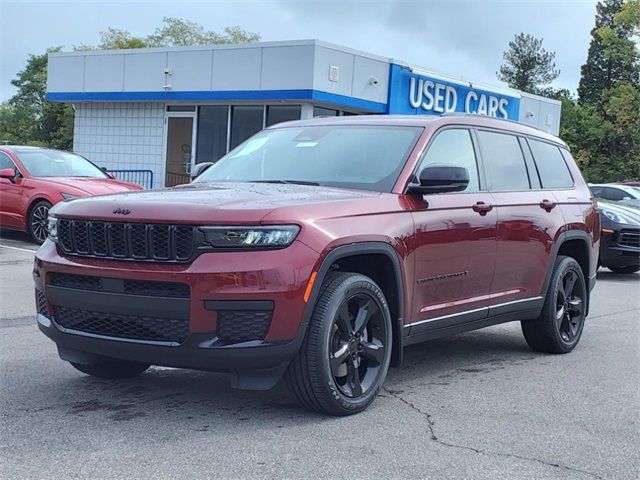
x: 8, y: 173
x: 109, y: 174
x: 441, y: 179
x: 199, y: 168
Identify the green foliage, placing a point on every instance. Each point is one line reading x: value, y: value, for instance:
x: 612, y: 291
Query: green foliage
x: 603, y: 128
x: 613, y: 55
x: 177, y: 32
x: 28, y: 118
x: 605, y: 138
x: 528, y: 66
x: 115, y: 39
x: 629, y: 16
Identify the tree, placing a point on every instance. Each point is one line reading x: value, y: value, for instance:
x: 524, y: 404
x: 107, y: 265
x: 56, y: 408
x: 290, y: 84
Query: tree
x: 528, y: 66
x: 28, y: 117
x: 177, y: 32
x: 629, y: 16
x: 115, y: 39
x: 612, y: 56
x: 605, y: 133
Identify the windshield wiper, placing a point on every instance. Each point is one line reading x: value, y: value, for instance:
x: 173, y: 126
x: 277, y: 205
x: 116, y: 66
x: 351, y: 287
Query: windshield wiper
x: 294, y: 182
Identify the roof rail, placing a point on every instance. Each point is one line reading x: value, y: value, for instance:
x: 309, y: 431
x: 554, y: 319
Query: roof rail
x: 465, y: 114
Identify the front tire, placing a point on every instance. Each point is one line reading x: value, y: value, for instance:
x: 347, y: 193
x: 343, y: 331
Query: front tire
x: 560, y: 325
x: 112, y: 370
x: 37, y: 226
x: 346, y: 351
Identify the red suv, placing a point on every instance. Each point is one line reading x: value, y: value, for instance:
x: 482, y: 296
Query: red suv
x: 318, y: 249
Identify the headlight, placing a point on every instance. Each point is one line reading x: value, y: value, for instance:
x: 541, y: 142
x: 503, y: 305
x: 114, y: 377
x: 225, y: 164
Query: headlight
x: 69, y: 196
x: 250, y: 237
x: 52, y: 227
x: 617, y: 217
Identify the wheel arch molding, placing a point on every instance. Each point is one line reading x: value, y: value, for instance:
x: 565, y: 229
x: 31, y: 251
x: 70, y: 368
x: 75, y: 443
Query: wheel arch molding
x: 346, y: 255
x: 565, y: 245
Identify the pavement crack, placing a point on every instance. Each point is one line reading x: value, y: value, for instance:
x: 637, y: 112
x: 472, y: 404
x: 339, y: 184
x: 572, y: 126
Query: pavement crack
x: 430, y: 422
x: 431, y: 425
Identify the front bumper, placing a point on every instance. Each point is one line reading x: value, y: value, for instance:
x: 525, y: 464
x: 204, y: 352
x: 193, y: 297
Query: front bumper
x: 200, y: 351
x: 614, y: 254
x: 215, y: 281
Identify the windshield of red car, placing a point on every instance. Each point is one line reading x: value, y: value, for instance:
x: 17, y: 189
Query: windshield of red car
x: 55, y: 163
x: 362, y: 157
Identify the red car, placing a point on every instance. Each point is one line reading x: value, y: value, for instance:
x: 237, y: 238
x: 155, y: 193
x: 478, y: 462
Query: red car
x: 33, y: 179
x: 318, y: 249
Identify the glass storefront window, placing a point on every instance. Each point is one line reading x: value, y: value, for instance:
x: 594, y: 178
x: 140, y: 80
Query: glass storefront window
x: 282, y: 113
x: 212, y: 133
x: 324, y: 112
x: 246, y: 120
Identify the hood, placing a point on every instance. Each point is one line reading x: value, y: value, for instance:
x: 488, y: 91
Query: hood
x: 631, y: 203
x: 202, y: 203
x: 628, y: 212
x: 89, y: 185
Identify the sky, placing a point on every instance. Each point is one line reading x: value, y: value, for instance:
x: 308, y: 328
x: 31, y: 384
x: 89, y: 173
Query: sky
x: 459, y: 37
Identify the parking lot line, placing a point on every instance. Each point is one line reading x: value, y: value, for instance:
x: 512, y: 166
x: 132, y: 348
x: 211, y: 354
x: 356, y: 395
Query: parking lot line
x: 18, y: 248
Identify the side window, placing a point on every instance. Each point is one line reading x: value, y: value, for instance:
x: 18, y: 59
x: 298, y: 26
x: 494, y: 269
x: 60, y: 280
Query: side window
x: 6, y: 162
x: 551, y: 166
x: 454, y: 147
x: 504, y: 161
x: 614, y: 194
x: 605, y: 193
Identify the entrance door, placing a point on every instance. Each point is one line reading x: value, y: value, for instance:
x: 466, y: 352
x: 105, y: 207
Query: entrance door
x: 179, y: 153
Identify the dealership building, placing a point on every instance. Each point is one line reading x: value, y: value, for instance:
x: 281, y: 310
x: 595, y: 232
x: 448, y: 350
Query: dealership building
x: 162, y: 110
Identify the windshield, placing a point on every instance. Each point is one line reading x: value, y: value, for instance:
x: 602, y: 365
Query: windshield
x: 361, y: 157
x: 55, y: 163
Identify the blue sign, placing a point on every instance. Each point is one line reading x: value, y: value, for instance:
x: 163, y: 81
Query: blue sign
x: 412, y: 93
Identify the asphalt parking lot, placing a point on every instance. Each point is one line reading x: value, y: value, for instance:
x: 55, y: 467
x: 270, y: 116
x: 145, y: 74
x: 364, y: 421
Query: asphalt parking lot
x: 479, y: 405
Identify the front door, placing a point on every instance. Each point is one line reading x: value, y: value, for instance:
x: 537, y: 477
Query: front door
x: 455, y: 242
x: 11, y: 197
x: 179, y: 154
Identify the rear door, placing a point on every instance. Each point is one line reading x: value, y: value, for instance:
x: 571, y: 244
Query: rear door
x: 528, y: 222
x: 455, y: 241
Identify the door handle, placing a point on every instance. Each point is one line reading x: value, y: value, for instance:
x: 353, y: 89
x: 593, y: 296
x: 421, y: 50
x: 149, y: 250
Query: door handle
x: 482, y: 208
x: 548, y: 205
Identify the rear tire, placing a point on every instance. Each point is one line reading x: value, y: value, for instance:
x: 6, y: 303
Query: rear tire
x: 346, y: 351
x: 629, y: 269
x: 37, y: 226
x: 559, y: 327
x: 113, y: 369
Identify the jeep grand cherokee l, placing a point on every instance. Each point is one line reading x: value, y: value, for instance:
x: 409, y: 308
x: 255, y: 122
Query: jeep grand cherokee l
x: 318, y: 249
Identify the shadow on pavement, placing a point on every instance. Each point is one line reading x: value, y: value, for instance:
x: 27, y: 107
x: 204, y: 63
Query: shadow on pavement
x: 607, y: 275
x: 204, y: 399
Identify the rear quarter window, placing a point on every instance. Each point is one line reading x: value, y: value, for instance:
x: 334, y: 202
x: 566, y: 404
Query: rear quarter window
x: 552, y: 168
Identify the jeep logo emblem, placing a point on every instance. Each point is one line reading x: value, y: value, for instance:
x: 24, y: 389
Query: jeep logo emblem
x: 122, y: 211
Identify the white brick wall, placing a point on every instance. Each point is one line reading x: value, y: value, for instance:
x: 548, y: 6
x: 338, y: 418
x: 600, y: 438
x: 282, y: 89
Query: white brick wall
x: 121, y: 136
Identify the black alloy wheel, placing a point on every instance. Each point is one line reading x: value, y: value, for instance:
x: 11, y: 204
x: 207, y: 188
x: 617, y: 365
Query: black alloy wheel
x: 357, y: 349
x: 38, y: 218
x: 346, y: 351
x: 559, y: 327
x: 569, y: 306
